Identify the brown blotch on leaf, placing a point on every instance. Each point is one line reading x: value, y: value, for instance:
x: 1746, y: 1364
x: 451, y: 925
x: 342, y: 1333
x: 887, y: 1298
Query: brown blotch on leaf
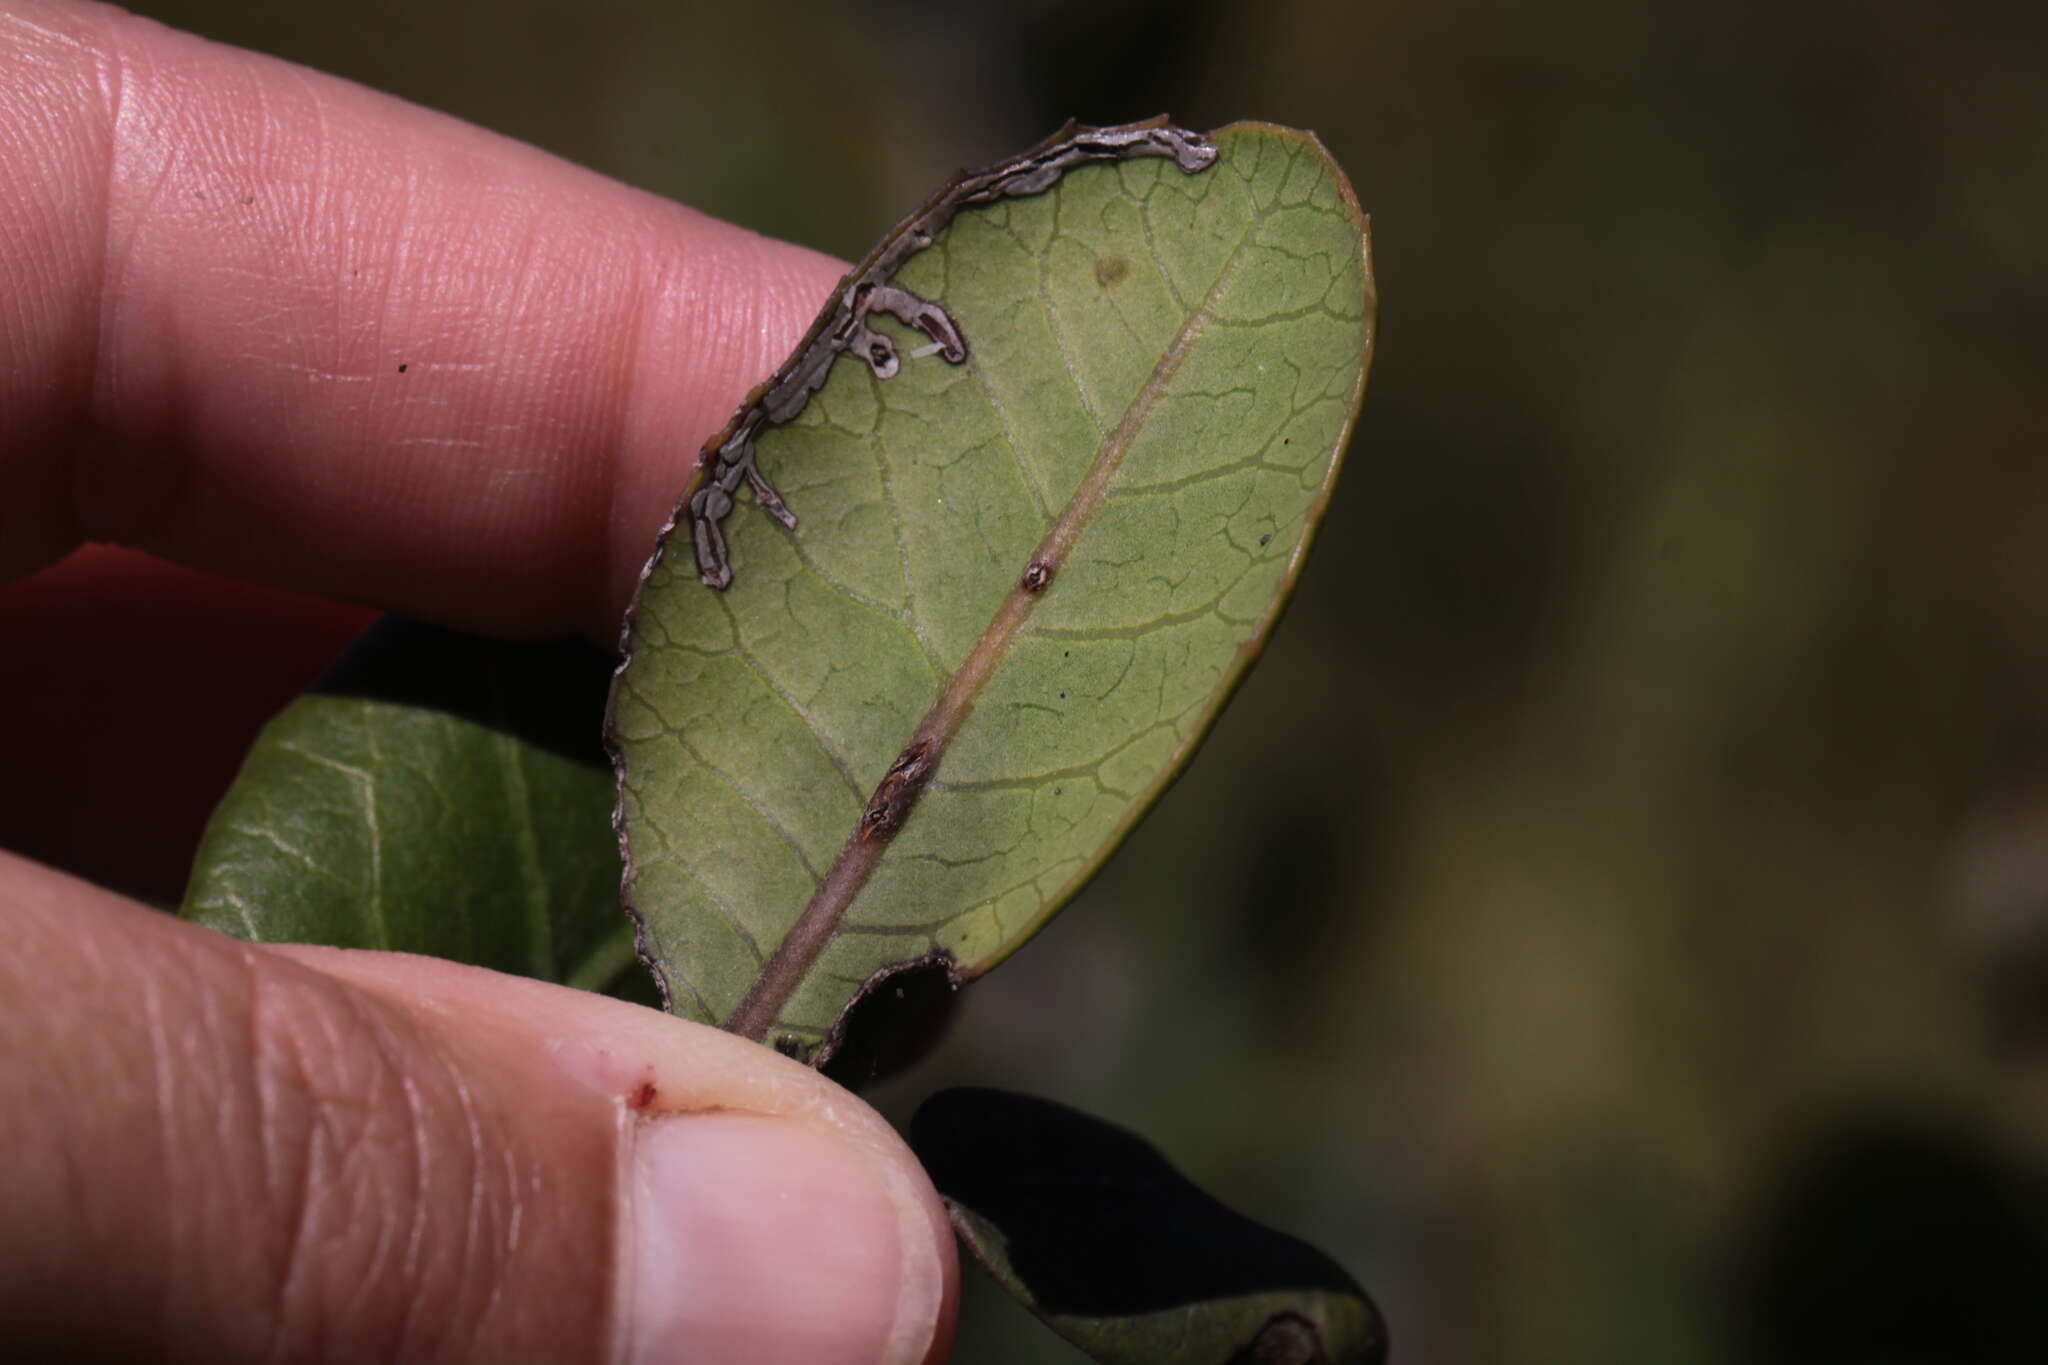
x: 897, y: 792
x: 1111, y: 269
x: 1037, y: 576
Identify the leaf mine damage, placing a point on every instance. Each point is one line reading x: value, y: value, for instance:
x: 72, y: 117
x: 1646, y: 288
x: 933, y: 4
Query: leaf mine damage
x: 728, y: 461
x: 1026, y: 582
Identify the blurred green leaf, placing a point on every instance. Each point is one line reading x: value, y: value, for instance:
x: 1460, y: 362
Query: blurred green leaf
x: 1189, y: 349
x: 436, y: 793
x: 1094, y: 1231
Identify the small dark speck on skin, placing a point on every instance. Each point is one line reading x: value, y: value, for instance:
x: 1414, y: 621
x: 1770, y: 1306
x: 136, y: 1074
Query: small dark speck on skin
x: 401, y: 369
x: 1110, y: 270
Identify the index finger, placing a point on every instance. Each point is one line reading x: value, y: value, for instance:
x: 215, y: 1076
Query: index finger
x: 277, y: 325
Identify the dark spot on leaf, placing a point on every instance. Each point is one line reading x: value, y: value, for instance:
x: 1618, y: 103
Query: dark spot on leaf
x: 1266, y: 539
x: 642, y: 1096
x: 897, y: 792
x: 1111, y: 270
x: 899, y: 1014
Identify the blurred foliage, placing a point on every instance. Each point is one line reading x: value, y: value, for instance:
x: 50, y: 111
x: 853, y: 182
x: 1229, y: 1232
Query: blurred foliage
x: 1650, y: 784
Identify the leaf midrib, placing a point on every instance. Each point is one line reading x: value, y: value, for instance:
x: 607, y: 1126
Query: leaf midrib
x: 782, y: 974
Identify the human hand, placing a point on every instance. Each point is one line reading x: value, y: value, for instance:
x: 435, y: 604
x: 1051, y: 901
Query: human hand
x: 277, y: 326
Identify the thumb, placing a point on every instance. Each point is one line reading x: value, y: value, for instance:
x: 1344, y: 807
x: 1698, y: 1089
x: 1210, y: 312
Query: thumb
x: 218, y: 1151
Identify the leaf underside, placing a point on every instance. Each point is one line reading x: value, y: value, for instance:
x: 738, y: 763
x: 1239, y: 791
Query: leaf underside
x: 1170, y: 361
x: 438, y: 794
x: 1095, y: 1232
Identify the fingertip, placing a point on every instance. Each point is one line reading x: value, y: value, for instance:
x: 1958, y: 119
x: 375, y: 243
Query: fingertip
x: 766, y: 1214
x: 753, y: 1239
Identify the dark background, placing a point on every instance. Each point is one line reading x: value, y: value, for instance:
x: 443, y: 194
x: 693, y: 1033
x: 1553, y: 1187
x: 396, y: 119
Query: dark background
x: 1614, y: 919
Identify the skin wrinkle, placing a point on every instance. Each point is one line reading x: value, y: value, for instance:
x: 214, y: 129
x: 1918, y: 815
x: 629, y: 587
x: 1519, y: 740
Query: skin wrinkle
x: 412, y: 1191
x: 164, y: 1132
x: 221, y: 1113
x: 116, y: 489
x: 113, y: 85
x: 514, y: 1205
x: 590, y: 555
x: 385, y: 1194
x: 397, y: 1193
x: 593, y: 569
x: 287, y: 1051
x: 470, y: 1253
x: 286, y: 1182
x: 115, y: 90
x: 320, y: 157
x: 652, y: 281
x: 346, y: 1181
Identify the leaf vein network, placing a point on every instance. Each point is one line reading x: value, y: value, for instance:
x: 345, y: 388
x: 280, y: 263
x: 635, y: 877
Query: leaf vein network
x: 1059, y: 338
x: 1001, y: 409
x: 916, y: 626
x: 747, y: 800
x: 796, y: 709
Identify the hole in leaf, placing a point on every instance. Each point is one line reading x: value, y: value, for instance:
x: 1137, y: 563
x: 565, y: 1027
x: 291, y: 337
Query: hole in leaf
x: 898, y: 1017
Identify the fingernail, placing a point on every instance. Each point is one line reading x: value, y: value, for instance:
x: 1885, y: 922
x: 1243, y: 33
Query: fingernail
x: 756, y: 1240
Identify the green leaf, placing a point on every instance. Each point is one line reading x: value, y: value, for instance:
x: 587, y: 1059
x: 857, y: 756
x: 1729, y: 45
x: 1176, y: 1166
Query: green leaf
x: 436, y: 793
x: 891, y: 741
x: 1095, y: 1232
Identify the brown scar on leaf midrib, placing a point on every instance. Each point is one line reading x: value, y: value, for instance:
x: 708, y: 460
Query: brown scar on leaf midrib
x: 783, y: 972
